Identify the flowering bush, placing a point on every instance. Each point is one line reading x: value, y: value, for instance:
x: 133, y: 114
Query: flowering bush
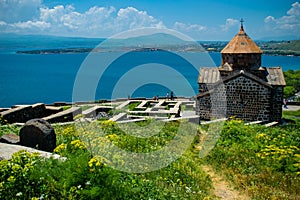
x: 15, y: 176
x: 279, y: 151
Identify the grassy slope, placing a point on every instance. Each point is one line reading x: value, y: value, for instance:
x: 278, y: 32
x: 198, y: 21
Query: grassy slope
x: 262, y: 162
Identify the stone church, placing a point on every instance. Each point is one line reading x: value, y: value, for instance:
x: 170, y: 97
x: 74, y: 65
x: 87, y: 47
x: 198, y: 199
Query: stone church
x: 241, y: 87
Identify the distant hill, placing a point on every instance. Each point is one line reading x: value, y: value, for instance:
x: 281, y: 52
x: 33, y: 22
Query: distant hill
x: 281, y: 47
x: 39, y: 44
x: 61, y: 45
x: 269, y: 47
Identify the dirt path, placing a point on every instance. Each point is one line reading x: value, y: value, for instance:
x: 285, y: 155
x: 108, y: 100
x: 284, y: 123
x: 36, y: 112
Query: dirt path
x: 221, y: 187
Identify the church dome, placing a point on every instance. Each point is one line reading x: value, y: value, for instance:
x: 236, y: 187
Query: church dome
x: 241, y: 43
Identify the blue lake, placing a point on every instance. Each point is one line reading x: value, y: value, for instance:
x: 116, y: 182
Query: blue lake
x: 27, y: 79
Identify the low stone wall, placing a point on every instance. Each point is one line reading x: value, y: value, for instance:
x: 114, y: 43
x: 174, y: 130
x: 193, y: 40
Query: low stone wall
x: 293, y: 103
x: 24, y: 113
x: 64, y: 116
x: 20, y: 114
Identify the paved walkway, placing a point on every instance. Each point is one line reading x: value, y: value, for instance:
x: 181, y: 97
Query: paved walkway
x: 188, y: 113
x: 291, y: 108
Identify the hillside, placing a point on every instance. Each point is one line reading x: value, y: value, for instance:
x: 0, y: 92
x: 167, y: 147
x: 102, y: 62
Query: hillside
x: 269, y: 47
x: 281, y: 47
x: 258, y: 162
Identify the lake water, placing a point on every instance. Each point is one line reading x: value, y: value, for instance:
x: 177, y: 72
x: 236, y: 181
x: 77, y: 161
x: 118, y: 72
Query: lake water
x: 48, y: 78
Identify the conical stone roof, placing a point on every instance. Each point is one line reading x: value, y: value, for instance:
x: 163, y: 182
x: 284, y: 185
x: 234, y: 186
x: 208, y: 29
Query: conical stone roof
x: 241, y: 43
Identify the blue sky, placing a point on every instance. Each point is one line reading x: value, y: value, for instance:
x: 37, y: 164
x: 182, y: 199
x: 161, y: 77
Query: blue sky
x: 201, y: 19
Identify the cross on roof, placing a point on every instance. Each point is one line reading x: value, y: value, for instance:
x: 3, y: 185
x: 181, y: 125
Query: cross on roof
x: 242, y: 20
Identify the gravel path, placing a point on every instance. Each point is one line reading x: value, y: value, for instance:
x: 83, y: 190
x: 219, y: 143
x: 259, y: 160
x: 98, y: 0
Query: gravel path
x: 221, y: 187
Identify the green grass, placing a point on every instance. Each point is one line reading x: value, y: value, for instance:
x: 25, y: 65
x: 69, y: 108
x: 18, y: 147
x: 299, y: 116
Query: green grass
x: 291, y: 116
x: 262, y: 162
x: 291, y: 113
x: 66, y: 107
x: 8, y: 129
x: 85, y: 107
x: 132, y: 105
x: 86, y: 176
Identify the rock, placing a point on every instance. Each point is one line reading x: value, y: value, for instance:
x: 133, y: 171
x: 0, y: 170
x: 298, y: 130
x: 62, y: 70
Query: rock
x: 38, y: 133
x: 10, y: 139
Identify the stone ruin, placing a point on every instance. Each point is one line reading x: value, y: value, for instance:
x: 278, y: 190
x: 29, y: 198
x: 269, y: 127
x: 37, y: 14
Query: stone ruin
x: 115, y: 111
x: 36, y: 119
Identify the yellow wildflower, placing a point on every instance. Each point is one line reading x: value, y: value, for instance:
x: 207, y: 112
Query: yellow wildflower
x: 78, y: 144
x: 94, y: 162
x: 60, y: 148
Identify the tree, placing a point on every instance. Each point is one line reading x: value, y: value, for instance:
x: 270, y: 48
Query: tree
x: 292, y: 78
x: 289, y: 91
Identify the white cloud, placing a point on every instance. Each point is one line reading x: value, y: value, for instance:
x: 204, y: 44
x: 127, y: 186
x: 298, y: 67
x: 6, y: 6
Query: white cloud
x: 18, y: 10
x: 131, y: 18
x: 188, y: 27
x: 32, y: 17
x: 65, y: 20
x: 289, y: 22
x: 269, y: 19
x: 32, y: 25
x: 295, y: 10
x: 2, y: 23
x: 229, y: 23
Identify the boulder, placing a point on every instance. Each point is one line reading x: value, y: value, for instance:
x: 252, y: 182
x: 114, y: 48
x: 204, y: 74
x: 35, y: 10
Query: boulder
x: 10, y: 139
x: 38, y: 133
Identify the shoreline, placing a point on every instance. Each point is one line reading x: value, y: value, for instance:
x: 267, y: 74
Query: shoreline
x: 80, y: 50
x: 100, y: 101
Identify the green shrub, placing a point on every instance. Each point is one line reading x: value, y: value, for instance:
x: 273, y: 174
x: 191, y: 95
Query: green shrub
x: 16, y: 181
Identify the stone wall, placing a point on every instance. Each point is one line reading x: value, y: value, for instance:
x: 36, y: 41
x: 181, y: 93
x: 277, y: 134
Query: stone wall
x: 260, y: 73
x: 24, y: 113
x: 242, y: 61
x: 212, y: 104
x: 276, y: 106
x: 248, y: 100
x: 245, y: 99
x: 203, y: 106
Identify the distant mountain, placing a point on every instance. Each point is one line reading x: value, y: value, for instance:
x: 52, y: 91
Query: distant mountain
x: 281, y: 47
x: 157, y: 40
x: 15, y: 42
x: 280, y: 38
x: 39, y: 44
